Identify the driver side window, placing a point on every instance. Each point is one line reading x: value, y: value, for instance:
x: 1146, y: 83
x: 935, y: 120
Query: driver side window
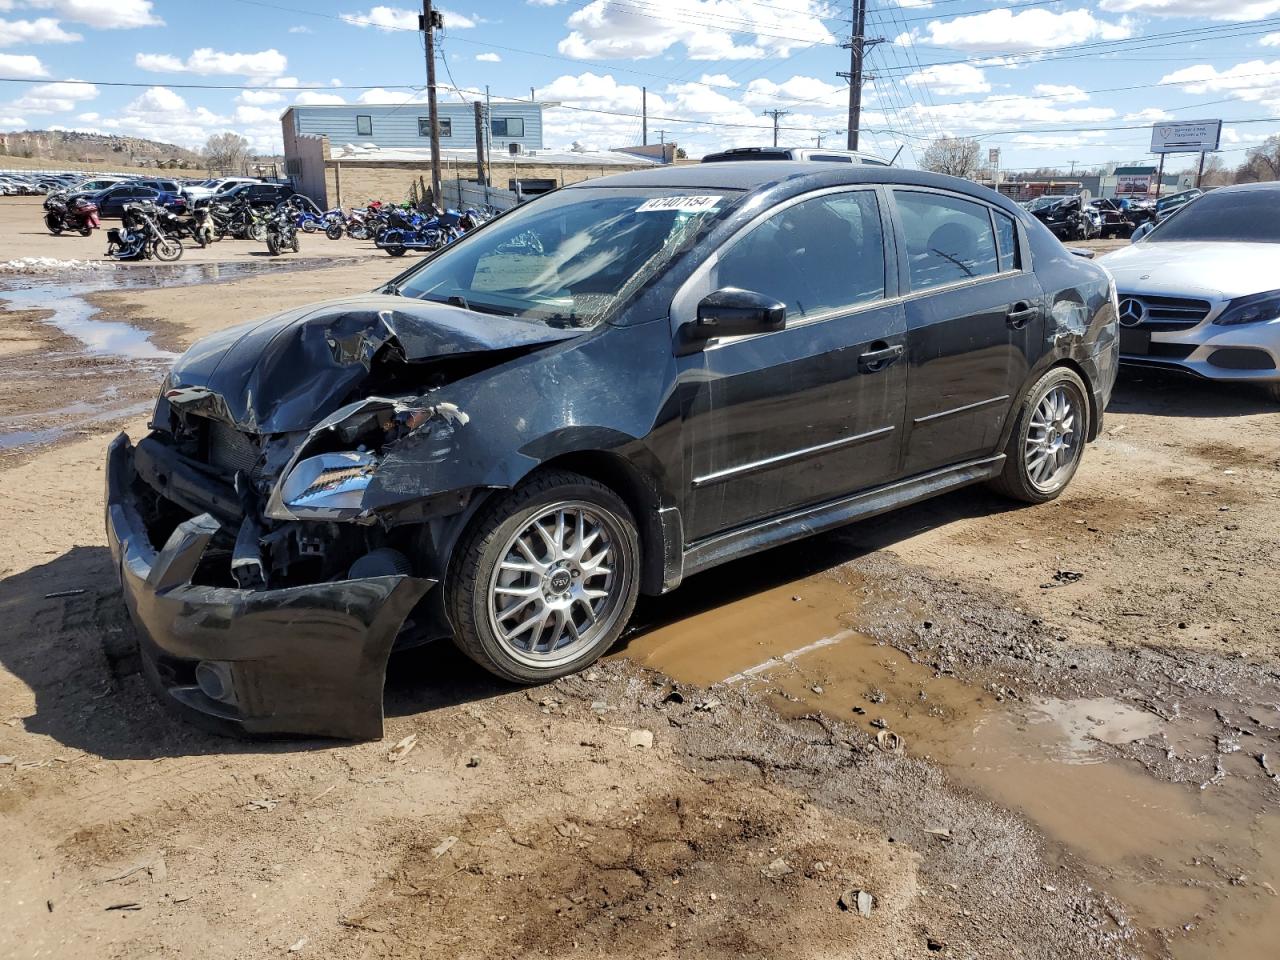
x: 816, y: 256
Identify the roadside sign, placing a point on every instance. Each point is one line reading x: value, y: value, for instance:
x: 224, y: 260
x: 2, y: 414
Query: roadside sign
x: 1133, y: 185
x: 1198, y: 136
x: 993, y: 156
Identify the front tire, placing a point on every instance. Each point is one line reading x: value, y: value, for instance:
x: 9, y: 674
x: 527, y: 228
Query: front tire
x: 1048, y: 439
x: 333, y: 231
x: 273, y: 248
x: 545, y: 579
x: 167, y: 249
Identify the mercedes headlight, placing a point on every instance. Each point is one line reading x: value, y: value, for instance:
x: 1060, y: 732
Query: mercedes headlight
x: 329, y: 486
x: 1258, y: 308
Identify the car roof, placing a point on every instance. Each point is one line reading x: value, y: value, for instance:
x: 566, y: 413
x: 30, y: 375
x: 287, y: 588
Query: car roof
x: 752, y: 175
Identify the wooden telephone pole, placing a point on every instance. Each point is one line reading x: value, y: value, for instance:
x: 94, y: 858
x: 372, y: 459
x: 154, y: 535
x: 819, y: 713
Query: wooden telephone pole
x: 857, y: 46
x: 777, y: 115
x: 430, y: 22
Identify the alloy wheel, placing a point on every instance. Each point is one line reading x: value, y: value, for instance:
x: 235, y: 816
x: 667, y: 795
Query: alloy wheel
x: 1053, y: 438
x: 559, y: 584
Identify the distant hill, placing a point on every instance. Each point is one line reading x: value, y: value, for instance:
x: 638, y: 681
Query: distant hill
x: 70, y: 145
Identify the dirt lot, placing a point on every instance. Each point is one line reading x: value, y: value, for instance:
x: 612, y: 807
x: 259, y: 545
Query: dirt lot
x: 1035, y: 732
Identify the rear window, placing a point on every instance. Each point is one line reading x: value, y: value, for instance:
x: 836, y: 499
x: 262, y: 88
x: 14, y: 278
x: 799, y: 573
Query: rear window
x: 1245, y: 216
x: 948, y: 239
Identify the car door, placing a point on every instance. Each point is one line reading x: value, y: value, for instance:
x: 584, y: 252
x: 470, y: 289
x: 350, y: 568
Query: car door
x: 788, y: 418
x: 974, y: 324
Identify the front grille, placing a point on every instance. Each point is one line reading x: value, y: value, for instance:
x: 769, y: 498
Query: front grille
x: 231, y: 451
x: 1172, y: 313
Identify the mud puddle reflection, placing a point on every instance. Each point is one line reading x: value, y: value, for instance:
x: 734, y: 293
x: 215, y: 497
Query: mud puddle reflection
x: 101, y: 368
x: 1201, y: 865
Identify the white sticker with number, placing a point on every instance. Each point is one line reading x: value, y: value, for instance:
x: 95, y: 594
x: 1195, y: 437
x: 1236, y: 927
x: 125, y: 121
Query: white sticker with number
x: 681, y: 204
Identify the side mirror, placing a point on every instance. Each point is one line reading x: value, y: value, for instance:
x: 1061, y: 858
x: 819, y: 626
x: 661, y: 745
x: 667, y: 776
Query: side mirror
x: 731, y: 312
x: 1081, y: 252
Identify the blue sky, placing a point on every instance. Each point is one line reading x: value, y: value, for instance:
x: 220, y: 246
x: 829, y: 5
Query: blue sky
x: 1047, y: 82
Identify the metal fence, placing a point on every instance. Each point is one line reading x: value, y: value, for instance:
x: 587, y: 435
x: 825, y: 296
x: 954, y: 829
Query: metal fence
x: 461, y: 194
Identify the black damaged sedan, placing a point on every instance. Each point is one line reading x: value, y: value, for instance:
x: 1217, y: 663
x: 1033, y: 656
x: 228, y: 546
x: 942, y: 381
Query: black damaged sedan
x: 594, y: 396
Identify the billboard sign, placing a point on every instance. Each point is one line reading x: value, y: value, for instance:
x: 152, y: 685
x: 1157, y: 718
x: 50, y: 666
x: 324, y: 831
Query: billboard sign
x: 1133, y: 185
x: 1198, y: 136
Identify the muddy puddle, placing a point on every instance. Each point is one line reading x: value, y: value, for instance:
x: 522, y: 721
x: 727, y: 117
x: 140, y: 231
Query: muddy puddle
x: 92, y: 372
x: 1199, y: 863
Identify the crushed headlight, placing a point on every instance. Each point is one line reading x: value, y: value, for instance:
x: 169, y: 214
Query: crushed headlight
x: 326, y: 486
x: 1258, y: 308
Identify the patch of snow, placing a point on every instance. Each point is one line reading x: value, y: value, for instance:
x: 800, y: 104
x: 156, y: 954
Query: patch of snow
x: 51, y: 265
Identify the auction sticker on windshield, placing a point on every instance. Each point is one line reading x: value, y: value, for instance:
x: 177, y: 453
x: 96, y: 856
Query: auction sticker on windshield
x: 682, y: 204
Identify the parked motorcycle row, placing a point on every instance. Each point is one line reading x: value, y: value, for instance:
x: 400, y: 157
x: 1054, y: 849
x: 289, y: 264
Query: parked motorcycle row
x: 152, y: 227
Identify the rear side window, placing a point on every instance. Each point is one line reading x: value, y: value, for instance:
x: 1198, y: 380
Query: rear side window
x: 830, y: 158
x: 1007, y: 237
x: 948, y: 239
x: 816, y: 256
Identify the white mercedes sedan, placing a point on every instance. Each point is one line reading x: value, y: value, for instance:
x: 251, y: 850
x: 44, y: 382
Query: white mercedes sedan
x: 1201, y: 292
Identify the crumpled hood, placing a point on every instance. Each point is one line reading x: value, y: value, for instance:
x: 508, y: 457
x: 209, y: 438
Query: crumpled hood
x: 289, y: 371
x: 1217, y: 270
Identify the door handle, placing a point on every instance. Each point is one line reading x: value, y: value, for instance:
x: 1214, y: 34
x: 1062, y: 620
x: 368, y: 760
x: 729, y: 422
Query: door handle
x: 1020, y: 314
x: 873, y: 361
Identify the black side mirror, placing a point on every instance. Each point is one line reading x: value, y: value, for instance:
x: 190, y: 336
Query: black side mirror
x: 731, y: 312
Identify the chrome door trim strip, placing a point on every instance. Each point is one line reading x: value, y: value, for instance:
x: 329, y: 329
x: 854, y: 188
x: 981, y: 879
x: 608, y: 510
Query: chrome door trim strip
x: 965, y: 409
x: 756, y: 466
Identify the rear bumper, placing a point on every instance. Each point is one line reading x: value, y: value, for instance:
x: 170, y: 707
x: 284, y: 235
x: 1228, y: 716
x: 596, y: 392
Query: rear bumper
x: 306, y: 660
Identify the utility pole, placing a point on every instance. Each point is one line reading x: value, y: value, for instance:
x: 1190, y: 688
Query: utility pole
x: 777, y: 115
x: 857, y: 46
x: 430, y: 22
x: 481, y: 176
x: 644, y: 116
x: 662, y: 137
x: 819, y: 139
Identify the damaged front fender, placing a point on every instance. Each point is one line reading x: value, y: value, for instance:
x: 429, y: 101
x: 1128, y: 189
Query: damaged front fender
x: 304, y: 660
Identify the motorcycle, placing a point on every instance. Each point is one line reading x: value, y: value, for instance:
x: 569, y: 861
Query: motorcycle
x: 195, y: 225
x: 408, y: 230
x: 238, y: 219
x: 139, y: 236
x: 282, y: 230
x: 80, y: 214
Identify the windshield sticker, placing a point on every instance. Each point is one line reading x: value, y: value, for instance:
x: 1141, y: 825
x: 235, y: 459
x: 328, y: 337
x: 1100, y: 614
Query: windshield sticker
x: 681, y: 204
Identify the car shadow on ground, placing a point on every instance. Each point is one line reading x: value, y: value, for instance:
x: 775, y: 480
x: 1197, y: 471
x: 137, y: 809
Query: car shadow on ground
x: 70, y: 642
x: 1166, y: 393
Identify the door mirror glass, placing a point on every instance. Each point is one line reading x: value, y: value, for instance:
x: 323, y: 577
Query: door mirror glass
x: 733, y: 312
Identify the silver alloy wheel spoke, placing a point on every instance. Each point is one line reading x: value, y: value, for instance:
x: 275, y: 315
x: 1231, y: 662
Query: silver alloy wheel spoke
x: 1052, y: 443
x: 558, y: 584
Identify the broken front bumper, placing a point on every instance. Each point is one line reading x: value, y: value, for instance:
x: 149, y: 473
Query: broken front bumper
x: 308, y: 660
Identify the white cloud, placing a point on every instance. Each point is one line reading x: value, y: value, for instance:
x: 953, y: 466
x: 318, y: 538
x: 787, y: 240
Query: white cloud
x: 21, y: 65
x: 13, y: 123
x: 488, y: 58
x: 103, y: 14
x: 1147, y: 115
x: 300, y: 29
x: 1256, y: 81
x: 707, y: 29
x: 718, y: 80
x: 310, y: 98
x: 1270, y: 40
x: 1064, y: 93
x: 379, y: 95
x: 258, y: 98
x: 209, y: 62
x: 57, y: 97
x: 161, y: 114
x: 950, y: 79
x: 1002, y: 31
x: 384, y: 18
x: 42, y: 30
x: 1238, y: 10
x: 814, y: 92
x: 454, y: 20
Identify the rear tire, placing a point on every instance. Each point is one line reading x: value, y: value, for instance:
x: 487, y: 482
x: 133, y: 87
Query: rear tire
x: 1048, y: 438
x: 334, y: 231
x: 526, y: 561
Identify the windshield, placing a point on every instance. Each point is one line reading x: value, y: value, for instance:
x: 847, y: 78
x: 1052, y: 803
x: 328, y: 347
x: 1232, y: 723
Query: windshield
x: 571, y: 258
x: 1244, y: 216
x: 1040, y: 203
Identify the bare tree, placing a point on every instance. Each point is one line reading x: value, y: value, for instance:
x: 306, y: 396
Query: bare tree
x: 227, y: 152
x: 957, y: 156
x: 1216, y: 173
x: 1261, y: 163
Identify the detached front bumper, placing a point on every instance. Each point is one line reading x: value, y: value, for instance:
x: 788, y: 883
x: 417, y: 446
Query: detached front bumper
x: 305, y: 660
